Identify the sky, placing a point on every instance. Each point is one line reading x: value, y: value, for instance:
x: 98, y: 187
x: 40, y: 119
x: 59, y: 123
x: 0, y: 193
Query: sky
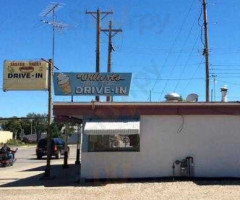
x: 161, y: 45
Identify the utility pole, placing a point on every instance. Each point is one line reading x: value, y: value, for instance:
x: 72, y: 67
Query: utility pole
x: 50, y: 72
x: 51, y: 10
x: 99, y: 16
x: 111, y: 33
x: 206, y: 48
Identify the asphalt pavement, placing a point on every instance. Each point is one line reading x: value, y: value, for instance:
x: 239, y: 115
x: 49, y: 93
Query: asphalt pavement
x: 28, y: 170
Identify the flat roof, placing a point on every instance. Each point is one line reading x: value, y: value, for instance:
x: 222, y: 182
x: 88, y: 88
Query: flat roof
x: 109, y: 110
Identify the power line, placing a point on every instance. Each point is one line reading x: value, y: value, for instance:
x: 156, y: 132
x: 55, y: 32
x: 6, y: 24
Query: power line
x: 226, y: 69
x: 169, y: 79
x: 224, y: 73
x: 197, y: 68
x: 171, y: 71
x: 186, y: 63
x: 176, y: 38
x: 225, y: 65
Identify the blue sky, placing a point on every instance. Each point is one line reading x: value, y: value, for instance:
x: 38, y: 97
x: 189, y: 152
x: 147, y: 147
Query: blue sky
x: 160, y: 44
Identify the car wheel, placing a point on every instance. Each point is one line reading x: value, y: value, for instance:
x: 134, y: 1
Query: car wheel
x: 58, y: 156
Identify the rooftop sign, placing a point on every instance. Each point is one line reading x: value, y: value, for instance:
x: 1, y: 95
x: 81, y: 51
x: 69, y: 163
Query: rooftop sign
x: 25, y: 75
x: 92, y: 84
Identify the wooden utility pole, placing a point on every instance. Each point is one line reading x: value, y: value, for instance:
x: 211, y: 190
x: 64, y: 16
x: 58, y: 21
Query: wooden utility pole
x: 99, y: 16
x: 206, y: 48
x: 50, y: 73
x: 111, y: 33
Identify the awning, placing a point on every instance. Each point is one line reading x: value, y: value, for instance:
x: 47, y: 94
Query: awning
x: 112, y: 128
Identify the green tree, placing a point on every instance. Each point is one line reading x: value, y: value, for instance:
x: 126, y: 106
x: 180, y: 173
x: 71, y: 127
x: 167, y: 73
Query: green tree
x: 13, y: 125
x: 56, y: 130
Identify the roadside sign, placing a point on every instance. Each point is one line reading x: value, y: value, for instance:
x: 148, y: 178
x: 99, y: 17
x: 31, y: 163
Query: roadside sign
x: 92, y: 84
x: 25, y: 75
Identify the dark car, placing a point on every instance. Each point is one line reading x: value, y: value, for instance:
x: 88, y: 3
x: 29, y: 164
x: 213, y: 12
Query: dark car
x: 57, y: 148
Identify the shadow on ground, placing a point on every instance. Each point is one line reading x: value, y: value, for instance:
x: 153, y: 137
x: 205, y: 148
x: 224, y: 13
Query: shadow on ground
x: 60, y: 177
x: 70, y: 177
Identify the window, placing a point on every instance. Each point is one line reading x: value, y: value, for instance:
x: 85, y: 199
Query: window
x: 101, y: 143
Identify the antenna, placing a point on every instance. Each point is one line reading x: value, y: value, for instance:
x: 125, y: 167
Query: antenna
x: 50, y: 10
x: 58, y: 25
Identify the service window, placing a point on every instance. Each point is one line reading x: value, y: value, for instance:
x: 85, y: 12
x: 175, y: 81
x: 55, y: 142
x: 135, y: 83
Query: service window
x: 101, y: 143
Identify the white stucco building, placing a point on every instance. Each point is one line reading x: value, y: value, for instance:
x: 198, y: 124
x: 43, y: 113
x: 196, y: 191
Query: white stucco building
x: 209, y: 133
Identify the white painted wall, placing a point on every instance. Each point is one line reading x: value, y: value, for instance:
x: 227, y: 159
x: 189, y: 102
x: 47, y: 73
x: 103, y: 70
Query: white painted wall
x: 213, y: 141
x: 5, y: 136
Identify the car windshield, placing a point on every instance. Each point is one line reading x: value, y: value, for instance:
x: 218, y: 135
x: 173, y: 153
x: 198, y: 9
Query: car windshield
x: 43, y: 143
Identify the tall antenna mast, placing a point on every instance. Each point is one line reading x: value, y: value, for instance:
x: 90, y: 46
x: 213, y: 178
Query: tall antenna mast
x: 50, y: 11
x: 206, y: 48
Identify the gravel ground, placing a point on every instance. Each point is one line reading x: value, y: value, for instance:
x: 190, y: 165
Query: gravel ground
x: 21, y: 182
x: 148, y: 190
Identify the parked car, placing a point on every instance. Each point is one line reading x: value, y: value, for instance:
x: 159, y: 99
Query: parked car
x: 57, y: 148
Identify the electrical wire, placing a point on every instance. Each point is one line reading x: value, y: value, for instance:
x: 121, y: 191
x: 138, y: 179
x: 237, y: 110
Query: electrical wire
x: 201, y: 26
x: 176, y: 38
x: 169, y: 79
x: 197, y: 68
x: 182, y: 125
x: 186, y: 63
x: 173, y: 68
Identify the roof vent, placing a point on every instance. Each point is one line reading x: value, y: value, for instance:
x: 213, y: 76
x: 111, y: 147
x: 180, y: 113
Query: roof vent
x: 224, y: 93
x: 192, y: 98
x: 172, y: 97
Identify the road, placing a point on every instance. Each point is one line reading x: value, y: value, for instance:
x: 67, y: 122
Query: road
x: 27, y: 166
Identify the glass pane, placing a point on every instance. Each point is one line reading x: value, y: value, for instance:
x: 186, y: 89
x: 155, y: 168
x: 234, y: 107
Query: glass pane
x: 113, y: 142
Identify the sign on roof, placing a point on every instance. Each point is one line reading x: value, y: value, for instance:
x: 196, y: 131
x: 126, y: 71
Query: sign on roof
x: 92, y: 84
x: 25, y: 75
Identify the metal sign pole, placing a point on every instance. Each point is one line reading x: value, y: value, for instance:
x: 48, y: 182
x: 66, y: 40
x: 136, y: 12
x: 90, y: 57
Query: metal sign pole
x: 77, y: 162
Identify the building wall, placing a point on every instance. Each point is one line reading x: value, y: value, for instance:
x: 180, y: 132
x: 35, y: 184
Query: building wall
x: 212, y: 140
x: 5, y: 136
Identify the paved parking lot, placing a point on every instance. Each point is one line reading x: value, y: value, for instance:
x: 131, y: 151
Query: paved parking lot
x: 22, y: 182
x: 27, y: 169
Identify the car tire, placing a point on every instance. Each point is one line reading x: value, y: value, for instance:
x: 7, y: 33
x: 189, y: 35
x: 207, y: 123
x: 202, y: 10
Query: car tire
x: 58, y: 155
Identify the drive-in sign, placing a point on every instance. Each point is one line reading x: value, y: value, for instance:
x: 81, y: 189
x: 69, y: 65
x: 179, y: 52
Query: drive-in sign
x: 25, y: 75
x: 106, y: 84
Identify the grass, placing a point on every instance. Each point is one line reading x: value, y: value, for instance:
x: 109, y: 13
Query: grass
x: 16, y: 142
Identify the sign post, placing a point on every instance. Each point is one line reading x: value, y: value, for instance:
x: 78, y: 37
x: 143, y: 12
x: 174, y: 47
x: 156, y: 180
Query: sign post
x: 50, y: 72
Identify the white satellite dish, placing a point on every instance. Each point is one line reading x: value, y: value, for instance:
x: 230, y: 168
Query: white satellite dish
x: 192, y: 98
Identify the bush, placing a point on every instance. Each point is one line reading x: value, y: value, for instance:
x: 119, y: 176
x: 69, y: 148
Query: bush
x: 15, y: 142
